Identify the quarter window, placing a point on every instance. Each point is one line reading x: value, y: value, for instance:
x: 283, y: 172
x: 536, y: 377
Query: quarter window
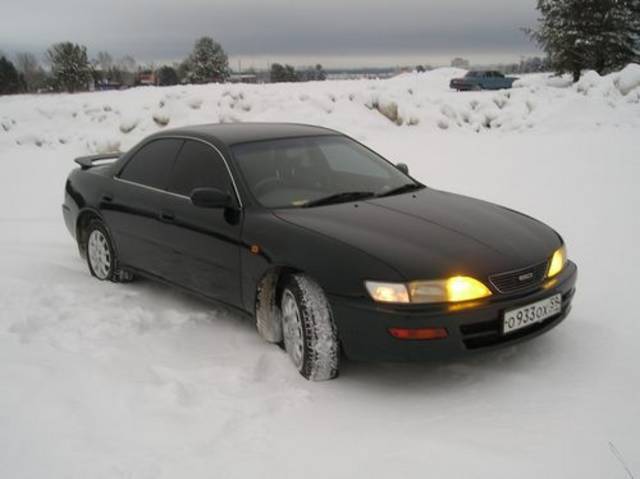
x: 152, y: 163
x: 198, y: 166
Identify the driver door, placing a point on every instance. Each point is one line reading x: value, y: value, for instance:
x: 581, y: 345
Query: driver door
x: 204, y: 242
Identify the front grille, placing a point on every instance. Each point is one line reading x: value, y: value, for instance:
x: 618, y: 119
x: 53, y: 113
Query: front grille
x: 519, y: 279
x: 489, y: 333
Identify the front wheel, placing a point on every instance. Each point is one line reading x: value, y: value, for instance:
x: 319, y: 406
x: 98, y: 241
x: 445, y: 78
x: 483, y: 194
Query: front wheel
x: 310, y: 334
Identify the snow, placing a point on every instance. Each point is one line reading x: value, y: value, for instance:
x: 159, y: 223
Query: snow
x: 140, y: 381
x: 628, y: 79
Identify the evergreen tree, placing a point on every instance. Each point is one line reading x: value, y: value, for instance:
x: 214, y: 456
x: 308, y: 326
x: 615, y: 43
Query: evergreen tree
x: 10, y: 80
x: 599, y: 34
x: 167, y: 76
x: 319, y: 73
x: 69, y: 66
x: 208, y: 62
x: 315, y: 73
x: 283, y: 73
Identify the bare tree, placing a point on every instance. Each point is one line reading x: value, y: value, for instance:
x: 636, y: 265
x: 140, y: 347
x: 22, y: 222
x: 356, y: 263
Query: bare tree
x: 125, y: 70
x: 26, y: 62
x: 104, y: 61
x: 34, y: 76
x: 459, y: 62
x: 127, y: 64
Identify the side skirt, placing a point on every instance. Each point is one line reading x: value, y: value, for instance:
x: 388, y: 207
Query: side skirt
x: 188, y: 291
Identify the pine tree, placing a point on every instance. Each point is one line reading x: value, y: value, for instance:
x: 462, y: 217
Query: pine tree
x: 319, y: 74
x: 615, y: 34
x: 69, y: 66
x: 167, y: 76
x: 208, y: 62
x: 599, y: 34
x: 10, y: 80
x: 283, y: 73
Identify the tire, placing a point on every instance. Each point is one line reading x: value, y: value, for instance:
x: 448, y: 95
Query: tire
x: 310, y: 334
x: 101, y: 255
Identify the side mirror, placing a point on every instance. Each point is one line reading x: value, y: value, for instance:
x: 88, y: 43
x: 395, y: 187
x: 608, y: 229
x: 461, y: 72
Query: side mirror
x: 403, y: 167
x: 210, y: 198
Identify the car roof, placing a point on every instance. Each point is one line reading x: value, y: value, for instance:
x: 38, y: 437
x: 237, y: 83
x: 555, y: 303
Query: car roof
x: 232, y: 133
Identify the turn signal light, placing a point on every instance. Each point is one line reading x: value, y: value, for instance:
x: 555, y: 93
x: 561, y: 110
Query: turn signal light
x: 418, y: 333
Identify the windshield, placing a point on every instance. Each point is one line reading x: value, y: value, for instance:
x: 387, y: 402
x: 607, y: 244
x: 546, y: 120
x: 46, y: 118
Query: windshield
x: 300, y: 171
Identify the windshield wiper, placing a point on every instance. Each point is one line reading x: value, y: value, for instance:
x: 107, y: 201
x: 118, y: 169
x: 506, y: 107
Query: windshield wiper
x: 339, y: 198
x: 401, y: 189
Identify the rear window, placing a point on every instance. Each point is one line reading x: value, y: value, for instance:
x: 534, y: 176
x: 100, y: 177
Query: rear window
x: 151, y: 164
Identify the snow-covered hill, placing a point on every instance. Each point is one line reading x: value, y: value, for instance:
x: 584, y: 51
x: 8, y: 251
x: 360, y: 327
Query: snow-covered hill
x: 138, y: 381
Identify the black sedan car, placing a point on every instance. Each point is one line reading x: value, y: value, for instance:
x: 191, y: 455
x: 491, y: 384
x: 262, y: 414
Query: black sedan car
x: 332, y: 249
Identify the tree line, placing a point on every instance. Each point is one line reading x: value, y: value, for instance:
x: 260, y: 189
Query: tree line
x: 71, y: 70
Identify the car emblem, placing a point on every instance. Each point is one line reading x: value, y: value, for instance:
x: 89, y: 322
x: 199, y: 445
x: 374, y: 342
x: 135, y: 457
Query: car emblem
x: 524, y: 277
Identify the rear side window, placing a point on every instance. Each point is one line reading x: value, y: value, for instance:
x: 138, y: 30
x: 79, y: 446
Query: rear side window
x: 198, y: 166
x: 151, y: 165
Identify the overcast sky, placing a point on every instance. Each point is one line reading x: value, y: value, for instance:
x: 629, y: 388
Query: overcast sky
x: 256, y: 32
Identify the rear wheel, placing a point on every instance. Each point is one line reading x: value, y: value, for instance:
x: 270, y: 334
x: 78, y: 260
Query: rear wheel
x: 101, y: 256
x: 310, y: 334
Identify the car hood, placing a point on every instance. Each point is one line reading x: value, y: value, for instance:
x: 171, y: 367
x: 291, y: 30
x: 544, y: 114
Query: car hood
x: 433, y: 234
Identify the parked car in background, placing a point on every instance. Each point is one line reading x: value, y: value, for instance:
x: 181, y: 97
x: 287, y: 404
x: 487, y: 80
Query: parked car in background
x: 482, y: 80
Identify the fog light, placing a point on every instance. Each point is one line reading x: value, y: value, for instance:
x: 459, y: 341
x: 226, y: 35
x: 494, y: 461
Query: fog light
x: 418, y: 333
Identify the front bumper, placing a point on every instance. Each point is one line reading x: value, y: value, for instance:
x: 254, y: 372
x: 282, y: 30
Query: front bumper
x: 472, y: 327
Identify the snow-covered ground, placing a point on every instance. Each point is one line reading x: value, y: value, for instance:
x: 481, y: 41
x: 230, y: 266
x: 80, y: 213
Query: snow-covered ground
x: 138, y: 381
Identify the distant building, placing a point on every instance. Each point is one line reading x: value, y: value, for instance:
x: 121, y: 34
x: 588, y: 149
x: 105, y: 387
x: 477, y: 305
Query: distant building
x: 146, y: 77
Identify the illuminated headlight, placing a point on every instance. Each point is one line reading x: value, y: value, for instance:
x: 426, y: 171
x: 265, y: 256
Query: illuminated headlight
x: 451, y: 290
x: 388, y: 292
x: 558, y: 261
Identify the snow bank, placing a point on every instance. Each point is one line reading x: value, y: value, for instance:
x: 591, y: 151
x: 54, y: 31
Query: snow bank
x: 628, y: 79
x: 95, y: 121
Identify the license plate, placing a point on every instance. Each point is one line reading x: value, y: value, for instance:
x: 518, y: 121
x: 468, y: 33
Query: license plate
x: 519, y: 318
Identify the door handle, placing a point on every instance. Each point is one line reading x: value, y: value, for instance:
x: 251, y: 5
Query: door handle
x: 107, y: 198
x: 167, y: 215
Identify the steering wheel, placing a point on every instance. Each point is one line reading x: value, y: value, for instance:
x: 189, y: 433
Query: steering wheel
x: 265, y: 185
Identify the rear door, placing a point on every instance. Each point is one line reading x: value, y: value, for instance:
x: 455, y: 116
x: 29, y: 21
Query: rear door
x: 204, y: 241
x: 134, y: 207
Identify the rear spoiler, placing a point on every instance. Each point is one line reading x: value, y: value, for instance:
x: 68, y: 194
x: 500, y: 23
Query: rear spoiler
x: 87, y: 162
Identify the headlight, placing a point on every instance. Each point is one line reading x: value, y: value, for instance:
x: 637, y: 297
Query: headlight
x: 558, y: 260
x: 388, y: 292
x: 451, y: 290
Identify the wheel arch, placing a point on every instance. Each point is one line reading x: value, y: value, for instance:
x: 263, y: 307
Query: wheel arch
x: 267, y: 297
x: 82, y: 222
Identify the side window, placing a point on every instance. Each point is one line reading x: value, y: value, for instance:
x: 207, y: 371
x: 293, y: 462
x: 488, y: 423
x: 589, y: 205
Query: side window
x: 198, y: 166
x: 152, y: 163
